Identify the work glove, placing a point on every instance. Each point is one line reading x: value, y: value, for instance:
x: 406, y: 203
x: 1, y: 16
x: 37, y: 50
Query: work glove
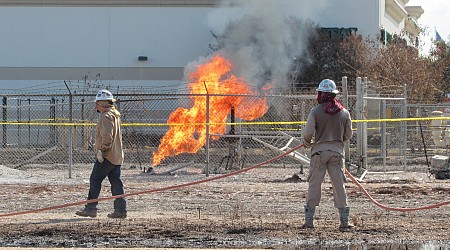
x: 100, y: 156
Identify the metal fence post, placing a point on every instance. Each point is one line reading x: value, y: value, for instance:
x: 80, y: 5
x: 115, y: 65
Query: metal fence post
x: 358, y: 125
x: 361, y: 135
x: 70, y: 131
x: 19, y: 119
x: 304, y: 115
x: 29, y: 121
x: 364, y: 124
x: 84, y: 137
x: 383, y: 134
x: 53, y: 119
x: 404, y: 126
x: 5, y: 118
x: 207, y: 135
x: 70, y: 135
x: 347, y: 143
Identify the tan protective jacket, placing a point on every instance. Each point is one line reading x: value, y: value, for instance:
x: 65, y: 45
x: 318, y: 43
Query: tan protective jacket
x: 329, y: 131
x: 109, y: 136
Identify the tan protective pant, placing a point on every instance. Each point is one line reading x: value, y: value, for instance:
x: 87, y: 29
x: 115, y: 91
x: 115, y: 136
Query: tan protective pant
x: 321, y: 163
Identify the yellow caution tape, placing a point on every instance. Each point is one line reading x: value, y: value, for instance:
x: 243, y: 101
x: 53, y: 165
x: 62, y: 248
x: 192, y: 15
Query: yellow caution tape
x: 33, y: 123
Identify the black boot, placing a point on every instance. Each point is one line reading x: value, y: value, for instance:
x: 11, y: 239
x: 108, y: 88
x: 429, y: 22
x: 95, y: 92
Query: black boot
x: 87, y: 213
x: 117, y: 214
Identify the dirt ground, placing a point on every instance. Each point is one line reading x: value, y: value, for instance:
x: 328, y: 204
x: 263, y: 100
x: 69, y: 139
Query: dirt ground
x: 258, y: 209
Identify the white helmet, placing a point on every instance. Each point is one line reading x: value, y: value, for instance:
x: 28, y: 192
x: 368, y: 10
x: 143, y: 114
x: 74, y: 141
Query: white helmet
x: 104, y: 95
x: 327, y: 85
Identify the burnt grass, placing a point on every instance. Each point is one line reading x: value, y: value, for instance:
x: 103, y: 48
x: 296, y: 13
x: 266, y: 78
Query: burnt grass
x: 262, y: 208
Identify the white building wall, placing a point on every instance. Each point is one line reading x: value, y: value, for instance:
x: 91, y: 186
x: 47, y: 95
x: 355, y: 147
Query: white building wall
x: 56, y: 43
x: 364, y: 15
x: 37, y: 38
x: 389, y: 19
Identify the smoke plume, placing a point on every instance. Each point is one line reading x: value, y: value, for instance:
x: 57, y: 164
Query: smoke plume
x: 262, y: 37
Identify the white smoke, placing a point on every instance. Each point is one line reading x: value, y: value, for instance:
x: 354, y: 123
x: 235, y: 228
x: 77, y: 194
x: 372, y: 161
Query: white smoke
x: 262, y: 37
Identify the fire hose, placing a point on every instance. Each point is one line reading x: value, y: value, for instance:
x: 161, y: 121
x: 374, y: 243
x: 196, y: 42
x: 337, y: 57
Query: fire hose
x: 400, y: 209
x: 217, y: 178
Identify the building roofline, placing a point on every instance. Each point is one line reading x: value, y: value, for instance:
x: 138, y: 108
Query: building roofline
x: 108, y: 3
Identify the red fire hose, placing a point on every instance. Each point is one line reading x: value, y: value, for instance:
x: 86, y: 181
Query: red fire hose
x: 216, y: 178
x: 401, y: 209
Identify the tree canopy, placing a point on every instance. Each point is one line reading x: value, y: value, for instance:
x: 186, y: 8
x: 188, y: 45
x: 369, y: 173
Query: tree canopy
x: 388, y: 67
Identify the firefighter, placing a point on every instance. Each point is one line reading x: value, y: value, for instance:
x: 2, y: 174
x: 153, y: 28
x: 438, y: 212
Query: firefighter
x: 328, y: 126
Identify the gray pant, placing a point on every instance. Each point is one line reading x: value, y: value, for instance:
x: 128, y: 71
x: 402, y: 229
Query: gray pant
x: 332, y: 162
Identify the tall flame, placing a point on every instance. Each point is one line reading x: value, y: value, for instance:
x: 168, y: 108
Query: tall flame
x: 187, y: 132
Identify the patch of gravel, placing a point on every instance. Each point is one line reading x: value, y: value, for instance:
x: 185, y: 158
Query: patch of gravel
x: 12, y: 176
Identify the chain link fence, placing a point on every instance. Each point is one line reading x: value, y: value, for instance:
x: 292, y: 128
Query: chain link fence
x: 51, y: 129
x: 59, y: 129
x: 401, y: 135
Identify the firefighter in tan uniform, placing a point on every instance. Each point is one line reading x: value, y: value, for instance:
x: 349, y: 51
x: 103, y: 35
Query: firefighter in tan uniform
x: 328, y: 126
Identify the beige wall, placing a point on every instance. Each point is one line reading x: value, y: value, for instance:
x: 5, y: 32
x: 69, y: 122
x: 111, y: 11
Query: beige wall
x: 193, y: 3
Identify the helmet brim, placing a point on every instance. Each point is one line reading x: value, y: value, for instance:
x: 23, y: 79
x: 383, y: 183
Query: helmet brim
x: 333, y: 91
x: 111, y: 100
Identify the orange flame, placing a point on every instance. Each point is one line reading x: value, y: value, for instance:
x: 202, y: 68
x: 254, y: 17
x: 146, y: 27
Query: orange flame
x: 187, y: 132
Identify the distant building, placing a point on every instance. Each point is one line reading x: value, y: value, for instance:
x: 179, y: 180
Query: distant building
x: 375, y: 18
x: 146, y: 40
